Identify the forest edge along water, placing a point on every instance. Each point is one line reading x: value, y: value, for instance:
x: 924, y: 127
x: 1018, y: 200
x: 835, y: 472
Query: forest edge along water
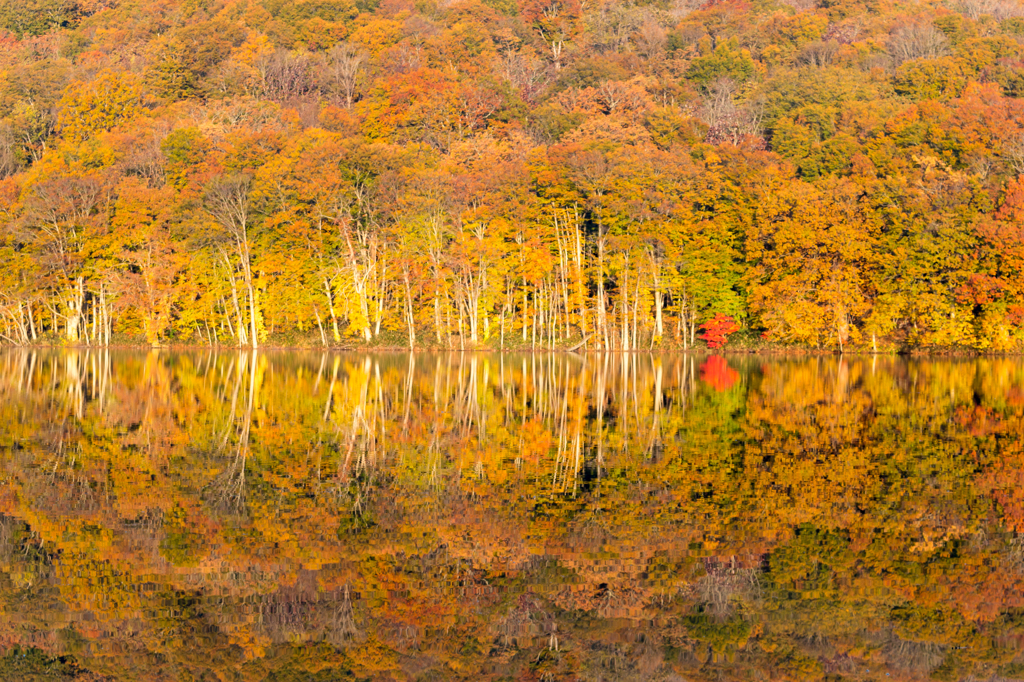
x: 320, y: 516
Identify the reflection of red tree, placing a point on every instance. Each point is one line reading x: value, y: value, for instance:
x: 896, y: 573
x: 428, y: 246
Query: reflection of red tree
x: 717, y: 373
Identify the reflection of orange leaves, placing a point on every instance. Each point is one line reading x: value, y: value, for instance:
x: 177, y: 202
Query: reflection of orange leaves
x: 1006, y: 481
x: 373, y: 656
x: 978, y: 421
x: 716, y: 372
x: 536, y: 441
x: 1008, y: 498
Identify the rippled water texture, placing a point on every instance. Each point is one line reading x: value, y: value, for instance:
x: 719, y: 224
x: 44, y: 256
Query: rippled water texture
x: 230, y: 516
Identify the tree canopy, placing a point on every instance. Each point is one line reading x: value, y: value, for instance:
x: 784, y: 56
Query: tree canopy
x: 502, y: 173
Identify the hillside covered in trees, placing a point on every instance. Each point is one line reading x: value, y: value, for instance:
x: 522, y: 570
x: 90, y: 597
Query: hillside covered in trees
x: 494, y: 173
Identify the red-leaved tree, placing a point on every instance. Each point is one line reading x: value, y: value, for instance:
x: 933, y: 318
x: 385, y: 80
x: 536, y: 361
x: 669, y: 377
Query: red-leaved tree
x: 716, y: 330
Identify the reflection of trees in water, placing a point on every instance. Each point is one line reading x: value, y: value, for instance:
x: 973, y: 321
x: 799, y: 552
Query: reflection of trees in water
x: 465, y: 397
x: 227, y: 491
x: 29, y: 593
x: 22, y: 545
x: 362, y: 429
x: 143, y: 412
x: 142, y: 534
x: 638, y: 659
x: 583, y: 403
x: 302, y: 612
x: 726, y: 583
x: 527, y: 619
x: 7, y: 529
x: 64, y: 486
x: 1015, y: 553
x: 453, y: 471
x: 342, y: 629
x: 352, y: 432
x: 913, y: 657
x: 69, y: 380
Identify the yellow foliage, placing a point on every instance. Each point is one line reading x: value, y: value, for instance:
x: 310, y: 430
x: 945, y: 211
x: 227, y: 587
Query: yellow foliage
x: 110, y: 99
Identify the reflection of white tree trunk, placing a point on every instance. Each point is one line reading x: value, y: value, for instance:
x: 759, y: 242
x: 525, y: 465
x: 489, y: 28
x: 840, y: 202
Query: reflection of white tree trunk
x: 359, y: 419
x: 410, y: 373
x: 238, y: 324
x: 602, y: 386
x: 342, y: 630
x: 569, y: 458
x: 574, y: 402
x: 228, y: 489
x: 726, y: 582
x: 73, y: 381
x: 655, y: 441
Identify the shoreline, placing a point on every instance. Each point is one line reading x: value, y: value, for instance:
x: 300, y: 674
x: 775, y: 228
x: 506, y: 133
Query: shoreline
x: 392, y: 349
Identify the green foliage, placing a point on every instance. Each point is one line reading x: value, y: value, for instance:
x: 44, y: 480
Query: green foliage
x: 328, y: 10
x: 36, y: 17
x: 186, y: 57
x: 924, y: 79
x: 727, y: 61
x: 507, y: 7
x: 591, y: 73
x: 722, y: 636
x: 183, y: 150
x: 812, y: 142
x: 32, y: 665
x: 553, y: 123
x: 180, y: 545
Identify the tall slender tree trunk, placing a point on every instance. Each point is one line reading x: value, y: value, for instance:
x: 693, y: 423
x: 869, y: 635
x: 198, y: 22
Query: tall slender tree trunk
x: 624, y: 332
x: 32, y: 323
x: 320, y: 325
x: 238, y: 331
x: 330, y: 308
x: 410, y: 319
x: 76, y: 308
x: 106, y: 316
x: 250, y: 290
x: 525, y: 306
x: 437, y: 317
x: 579, y: 281
x: 636, y: 311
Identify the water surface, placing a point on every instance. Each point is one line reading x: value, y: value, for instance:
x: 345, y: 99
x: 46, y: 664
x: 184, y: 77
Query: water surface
x: 298, y: 516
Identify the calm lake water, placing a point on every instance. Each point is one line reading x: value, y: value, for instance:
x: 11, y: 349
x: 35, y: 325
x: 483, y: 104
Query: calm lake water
x: 298, y: 516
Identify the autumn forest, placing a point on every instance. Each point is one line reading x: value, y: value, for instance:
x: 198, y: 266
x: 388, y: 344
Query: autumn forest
x: 503, y: 174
